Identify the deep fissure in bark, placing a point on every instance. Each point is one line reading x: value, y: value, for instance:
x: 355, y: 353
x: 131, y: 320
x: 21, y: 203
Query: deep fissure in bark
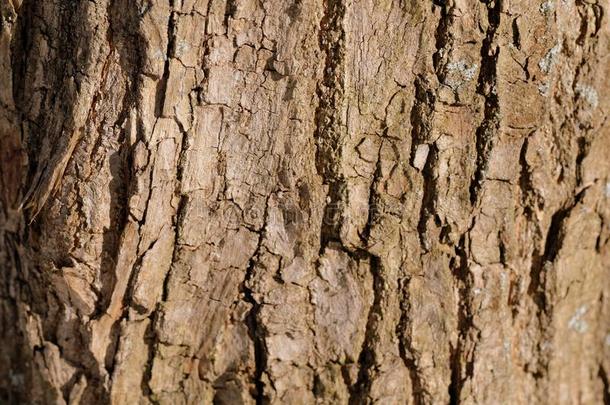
x: 487, y: 86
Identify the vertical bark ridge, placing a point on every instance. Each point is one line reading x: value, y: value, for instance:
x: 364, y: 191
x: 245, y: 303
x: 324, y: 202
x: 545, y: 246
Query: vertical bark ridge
x: 487, y: 134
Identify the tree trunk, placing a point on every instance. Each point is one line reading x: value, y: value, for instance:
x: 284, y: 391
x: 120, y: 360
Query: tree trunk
x: 304, y: 201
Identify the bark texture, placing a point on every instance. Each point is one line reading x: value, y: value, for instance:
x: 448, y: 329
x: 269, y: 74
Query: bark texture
x: 304, y: 201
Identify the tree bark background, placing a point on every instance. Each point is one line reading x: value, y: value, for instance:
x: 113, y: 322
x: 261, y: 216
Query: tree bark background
x: 304, y: 201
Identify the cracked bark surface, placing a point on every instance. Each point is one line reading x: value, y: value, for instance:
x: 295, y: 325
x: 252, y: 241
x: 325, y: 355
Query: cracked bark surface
x: 304, y: 201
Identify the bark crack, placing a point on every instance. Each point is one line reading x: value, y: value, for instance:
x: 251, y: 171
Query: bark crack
x: 255, y: 327
x: 360, y: 391
x: 487, y: 132
x: 407, y: 351
x: 329, y: 130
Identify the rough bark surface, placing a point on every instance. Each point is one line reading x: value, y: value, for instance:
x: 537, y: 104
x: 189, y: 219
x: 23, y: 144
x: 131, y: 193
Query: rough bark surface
x: 304, y: 201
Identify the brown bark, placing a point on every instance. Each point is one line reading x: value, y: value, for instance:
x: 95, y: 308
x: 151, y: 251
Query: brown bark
x: 304, y: 201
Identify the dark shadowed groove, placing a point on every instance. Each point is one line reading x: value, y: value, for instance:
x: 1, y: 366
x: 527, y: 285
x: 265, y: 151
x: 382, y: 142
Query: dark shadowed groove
x: 123, y: 36
x: 360, y: 391
x: 329, y: 135
x: 487, y: 132
x: 465, y: 324
x: 405, y: 347
x: 328, y: 132
x: 169, y: 54
x: 256, y: 329
x: 443, y: 36
x: 123, y: 33
x: 421, y: 115
x: 603, y: 376
x: 256, y: 334
x: 555, y: 235
x: 428, y: 205
x: 151, y: 336
x: 462, y: 362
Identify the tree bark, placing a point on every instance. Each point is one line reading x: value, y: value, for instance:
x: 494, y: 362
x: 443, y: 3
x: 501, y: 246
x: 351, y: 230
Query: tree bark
x: 304, y: 201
